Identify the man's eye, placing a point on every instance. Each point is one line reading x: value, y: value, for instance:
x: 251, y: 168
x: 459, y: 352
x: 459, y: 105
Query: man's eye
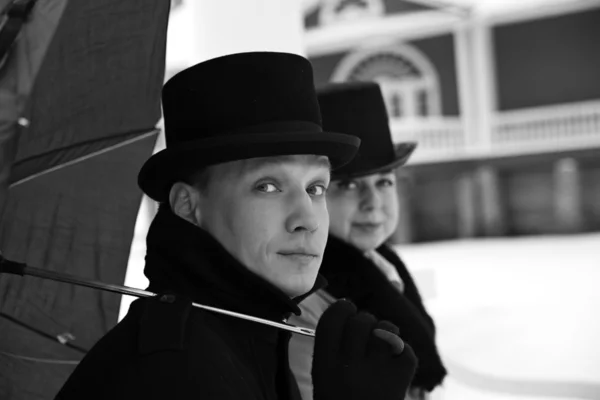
x: 347, y: 185
x: 316, y: 190
x: 267, y: 188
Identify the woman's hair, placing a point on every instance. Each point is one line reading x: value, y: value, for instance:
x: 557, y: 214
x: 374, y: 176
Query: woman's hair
x: 356, y: 176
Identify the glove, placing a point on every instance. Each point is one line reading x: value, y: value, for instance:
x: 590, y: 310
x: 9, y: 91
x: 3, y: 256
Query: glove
x: 357, y: 357
x: 387, y: 303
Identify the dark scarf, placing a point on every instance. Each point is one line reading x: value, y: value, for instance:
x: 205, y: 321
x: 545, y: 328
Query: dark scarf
x: 351, y: 275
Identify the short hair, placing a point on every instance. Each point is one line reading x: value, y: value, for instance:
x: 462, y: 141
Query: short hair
x: 199, y: 178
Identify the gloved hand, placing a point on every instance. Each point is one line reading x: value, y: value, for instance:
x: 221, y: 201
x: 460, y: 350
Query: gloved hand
x: 357, y: 357
x: 388, y: 304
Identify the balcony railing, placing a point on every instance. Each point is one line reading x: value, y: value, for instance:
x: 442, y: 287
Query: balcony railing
x: 548, y: 128
x: 438, y: 138
x: 534, y: 130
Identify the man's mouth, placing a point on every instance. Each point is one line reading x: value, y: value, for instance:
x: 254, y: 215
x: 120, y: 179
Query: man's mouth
x: 301, y: 256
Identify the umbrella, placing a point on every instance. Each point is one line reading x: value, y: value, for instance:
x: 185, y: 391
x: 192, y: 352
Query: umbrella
x: 79, y: 102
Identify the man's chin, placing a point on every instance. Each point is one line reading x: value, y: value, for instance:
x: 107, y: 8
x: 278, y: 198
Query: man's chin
x: 300, y: 288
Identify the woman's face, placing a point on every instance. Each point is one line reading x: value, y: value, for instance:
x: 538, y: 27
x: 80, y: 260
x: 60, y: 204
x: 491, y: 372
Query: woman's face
x: 363, y: 211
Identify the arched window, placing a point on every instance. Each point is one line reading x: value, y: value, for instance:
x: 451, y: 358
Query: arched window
x: 334, y: 11
x: 408, y: 79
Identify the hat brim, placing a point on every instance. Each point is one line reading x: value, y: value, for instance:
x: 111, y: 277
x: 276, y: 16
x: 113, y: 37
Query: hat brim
x: 402, y: 152
x: 175, y: 163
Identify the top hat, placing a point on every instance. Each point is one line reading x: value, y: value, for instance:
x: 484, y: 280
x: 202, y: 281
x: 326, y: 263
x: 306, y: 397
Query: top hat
x: 240, y: 106
x: 358, y: 108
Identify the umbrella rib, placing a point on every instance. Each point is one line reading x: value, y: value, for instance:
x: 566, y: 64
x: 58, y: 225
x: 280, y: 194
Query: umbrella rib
x: 39, y: 360
x: 41, y: 332
x: 86, y: 157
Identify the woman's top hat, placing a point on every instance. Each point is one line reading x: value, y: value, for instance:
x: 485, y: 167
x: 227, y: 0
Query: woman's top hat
x: 240, y: 106
x: 358, y: 109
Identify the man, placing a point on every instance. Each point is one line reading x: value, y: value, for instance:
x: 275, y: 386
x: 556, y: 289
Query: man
x: 242, y: 226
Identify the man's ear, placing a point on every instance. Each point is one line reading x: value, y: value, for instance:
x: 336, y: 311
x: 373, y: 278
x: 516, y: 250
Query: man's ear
x: 185, y: 202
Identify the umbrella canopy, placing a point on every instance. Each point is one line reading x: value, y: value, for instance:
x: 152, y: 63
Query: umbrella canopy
x: 79, y: 102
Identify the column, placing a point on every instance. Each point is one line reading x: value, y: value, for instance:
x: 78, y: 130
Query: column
x: 466, y: 84
x: 567, y: 196
x: 467, y: 205
x: 404, y: 232
x: 492, y: 214
x: 483, y: 78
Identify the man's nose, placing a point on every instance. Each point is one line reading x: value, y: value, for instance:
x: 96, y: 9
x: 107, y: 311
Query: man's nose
x: 303, y: 216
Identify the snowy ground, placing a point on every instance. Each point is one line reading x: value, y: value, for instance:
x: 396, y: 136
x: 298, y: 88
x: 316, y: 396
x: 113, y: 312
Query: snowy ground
x: 517, y: 318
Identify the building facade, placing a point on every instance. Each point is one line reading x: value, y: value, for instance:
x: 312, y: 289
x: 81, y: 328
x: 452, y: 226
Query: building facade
x: 505, y: 106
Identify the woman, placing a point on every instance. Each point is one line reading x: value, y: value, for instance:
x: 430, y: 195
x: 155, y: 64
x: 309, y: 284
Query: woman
x: 363, y: 207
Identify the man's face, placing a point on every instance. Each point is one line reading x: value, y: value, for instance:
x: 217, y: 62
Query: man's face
x: 271, y: 214
x: 364, y: 211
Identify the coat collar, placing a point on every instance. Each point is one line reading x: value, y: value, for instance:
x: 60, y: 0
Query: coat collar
x: 347, y: 271
x: 186, y: 259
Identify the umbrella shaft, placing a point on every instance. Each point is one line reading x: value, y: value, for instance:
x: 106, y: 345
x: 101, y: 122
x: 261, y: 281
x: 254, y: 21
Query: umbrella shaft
x: 55, y: 276
x: 22, y: 269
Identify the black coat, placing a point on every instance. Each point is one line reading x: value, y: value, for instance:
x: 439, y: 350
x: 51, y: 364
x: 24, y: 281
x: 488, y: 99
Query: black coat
x: 353, y: 276
x: 165, y: 349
